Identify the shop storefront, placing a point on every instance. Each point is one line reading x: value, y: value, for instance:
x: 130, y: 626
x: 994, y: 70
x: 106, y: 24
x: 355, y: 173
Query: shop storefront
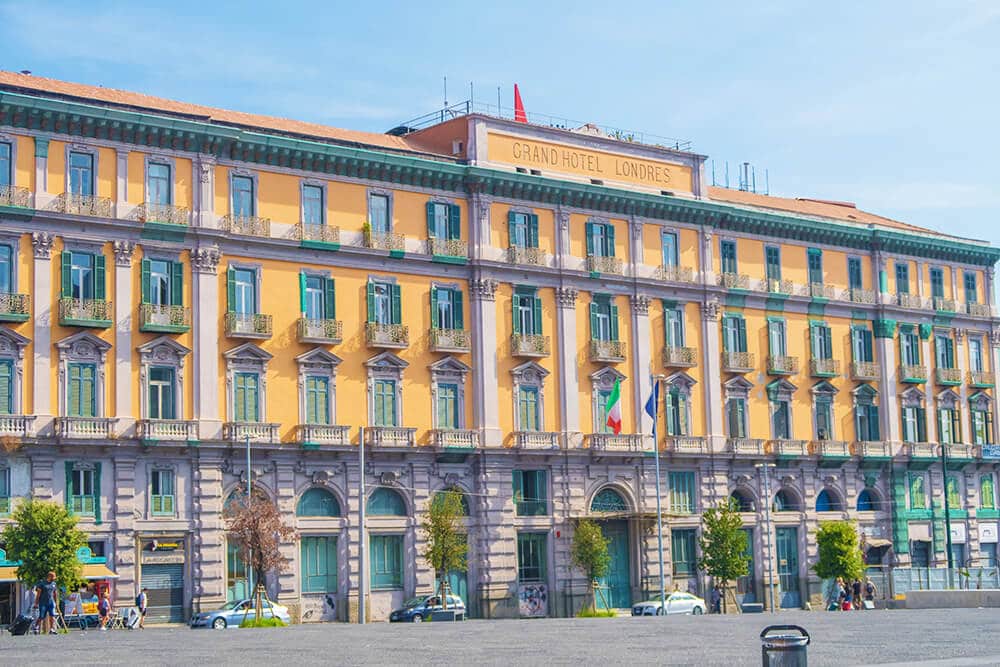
x: 8, y: 589
x: 162, y: 571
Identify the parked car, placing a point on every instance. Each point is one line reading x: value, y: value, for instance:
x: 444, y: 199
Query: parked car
x: 415, y: 610
x: 232, y: 614
x: 677, y: 603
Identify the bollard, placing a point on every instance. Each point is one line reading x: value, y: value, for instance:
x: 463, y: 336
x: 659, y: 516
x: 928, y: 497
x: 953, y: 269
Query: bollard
x: 785, y: 649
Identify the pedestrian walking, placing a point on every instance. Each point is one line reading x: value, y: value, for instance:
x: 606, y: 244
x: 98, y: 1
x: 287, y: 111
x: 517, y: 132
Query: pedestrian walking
x: 104, y: 610
x: 141, y: 600
x: 716, y: 600
x: 870, y: 592
x: 46, y: 600
x: 856, y: 594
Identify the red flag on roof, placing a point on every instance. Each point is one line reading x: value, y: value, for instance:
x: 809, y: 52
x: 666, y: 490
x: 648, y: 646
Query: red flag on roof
x: 519, y: 115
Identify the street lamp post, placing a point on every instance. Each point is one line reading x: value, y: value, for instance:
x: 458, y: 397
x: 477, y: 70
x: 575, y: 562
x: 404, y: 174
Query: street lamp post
x: 764, y: 468
x: 250, y: 590
x: 362, y: 538
x: 947, y: 514
x: 659, y: 514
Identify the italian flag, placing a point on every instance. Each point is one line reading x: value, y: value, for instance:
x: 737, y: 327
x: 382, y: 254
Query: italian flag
x: 614, y: 408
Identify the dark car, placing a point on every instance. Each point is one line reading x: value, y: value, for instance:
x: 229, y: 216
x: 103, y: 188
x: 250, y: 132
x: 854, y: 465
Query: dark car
x: 415, y: 610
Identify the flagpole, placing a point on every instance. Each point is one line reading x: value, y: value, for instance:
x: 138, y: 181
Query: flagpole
x: 659, y: 515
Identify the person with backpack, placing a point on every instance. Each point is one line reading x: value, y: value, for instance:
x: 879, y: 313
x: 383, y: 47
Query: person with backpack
x: 856, y: 594
x: 104, y: 610
x: 141, y: 600
x: 870, y: 591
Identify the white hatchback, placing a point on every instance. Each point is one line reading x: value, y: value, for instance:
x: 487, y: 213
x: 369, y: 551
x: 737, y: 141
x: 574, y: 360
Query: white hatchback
x: 677, y: 603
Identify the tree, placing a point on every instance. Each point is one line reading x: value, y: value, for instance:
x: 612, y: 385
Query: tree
x: 446, y: 545
x: 839, y: 552
x: 724, y: 553
x: 44, y: 537
x: 590, y: 554
x: 258, y: 532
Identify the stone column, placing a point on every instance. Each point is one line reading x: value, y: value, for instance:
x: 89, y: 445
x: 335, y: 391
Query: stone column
x: 994, y: 342
x: 121, y: 189
x: 988, y: 285
x: 880, y: 277
x: 707, y: 267
x: 920, y: 279
x: 563, y: 251
x: 351, y: 586
x: 569, y: 380
x: 486, y: 410
x: 495, y: 553
x: 634, y: 246
x: 123, y: 337
x: 885, y: 355
x: 204, y: 192
x: 43, y: 483
x: 479, y: 225
x: 123, y: 515
x: 642, y: 362
x: 712, y: 384
x: 41, y: 165
x: 963, y: 389
x: 42, y: 335
x: 208, y: 549
x: 284, y: 486
x: 954, y: 284
x: 205, y: 315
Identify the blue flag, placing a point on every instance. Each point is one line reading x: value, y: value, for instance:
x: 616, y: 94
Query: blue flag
x: 653, y: 404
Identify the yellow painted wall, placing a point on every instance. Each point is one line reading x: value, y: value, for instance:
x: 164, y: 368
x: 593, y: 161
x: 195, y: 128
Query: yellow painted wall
x: 25, y: 268
x: 835, y: 269
x: 56, y: 163
x: 652, y: 245
x: 136, y: 177
x: 587, y: 368
x: 692, y: 338
x: 794, y: 264
x: 578, y: 236
x: 183, y: 182
x: 107, y: 170
x: 347, y: 205
x: 500, y: 237
x: 24, y: 170
x: 106, y: 185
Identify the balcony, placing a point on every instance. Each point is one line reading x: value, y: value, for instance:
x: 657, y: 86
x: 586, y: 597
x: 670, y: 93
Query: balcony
x: 312, y: 436
x: 390, y: 436
x: 529, y: 345
x: 674, y: 357
x: 778, y: 286
x: 787, y: 448
x: 675, y: 274
x: 452, y: 248
x: 385, y: 241
x: 17, y: 426
x: 873, y: 453
x: 865, y: 371
x: 949, y: 305
x: 444, y: 438
x: 912, y: 373
x: 630, y: 442
x: 536, y: 440
x: 859, y: 295
x: 947, y: 376
x: 979, y: 309
x: 85, y: 428
x: 782, y: 365
x: 686, y: 444
x: 164, y: 214
x: 831, y: 453
x: 322, y: 235
x: 154, y: 318
x: 921, y: 454
x: 734, y: 280
x: 450, y: 340
x: 611, y: 265
x: 527, y: 256
x: 960, y: 455
x: 14, y: 307
x: 85, y: 313
x: 12, y: 195
x: 91, y: 205
x: 170, y: 430
x: 912, y: 301
x: 821, y: 291
x: 247, y: 225
x: 258, y: 432
x: 324, y: 332
x: 248, y: 325
x: 738, y: 362
x: 394, y: 336
x: 746, y: 446
x: 607, y: 351
x: 981, y: 379
x: 824, y: 368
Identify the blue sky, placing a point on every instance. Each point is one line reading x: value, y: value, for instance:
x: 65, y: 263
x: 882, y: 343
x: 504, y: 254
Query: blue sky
x: 889, y: 104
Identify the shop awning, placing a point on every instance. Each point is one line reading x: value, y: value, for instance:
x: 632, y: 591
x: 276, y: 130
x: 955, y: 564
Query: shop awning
x: 8, y: 574
x: 874, y: 542
x: 97, y: 571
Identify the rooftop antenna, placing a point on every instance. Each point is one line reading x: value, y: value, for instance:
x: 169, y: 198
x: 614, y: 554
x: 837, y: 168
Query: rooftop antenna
x: 498, y: 102
x: 472, y: 96
x: 446, y: 92
x: 767, y: 183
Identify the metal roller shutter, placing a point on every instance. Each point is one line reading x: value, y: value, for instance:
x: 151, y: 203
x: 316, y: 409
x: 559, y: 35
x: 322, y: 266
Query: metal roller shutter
x: 166, y: 592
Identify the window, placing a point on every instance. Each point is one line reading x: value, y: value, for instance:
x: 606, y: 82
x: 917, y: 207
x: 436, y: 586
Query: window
x: 83, y: 275
x: 914, y: 424
x: 677, y: 411
x: 246, y: 406
x: 244, y: 201
x: 776, y: 336
x: 727, y: 252
x: 673, y: 325
x: 527, y: 311
x: 522, y: 229
x: 866, y: 419
x: 937, y: 282
x: 81, y: 394
x: 861, y: 344
x: 386, y: 502
x: 4, y: 486
x: 384, y: 303
x: 83, y: 488
x: 603, y: 318
x: 854, y: 274
x: 161, y: 393
x: 982, y: 422
x: 976, y: 355
x: 736, y: 417
x: 944, y: 348
x: 6, y: 165
x: 824, y: 416
x: 989, y: 554
x: 384, y: 397
x: 317, y: 399
x: 815, y: 266
x: 971, y: 293
x: 313, y: 210
x: 7, y: 386
x: 987, y: 492
x: 378, y: 214
x: 532, y: 557
x: 162, y: 282
x: 918, y: 494
x: 447, y: 308
x: 734, y: 334
x: 242, y: 290
x: 161, y: 492
x: 319, y: 297
x: 668, y: 242
x: 682, y: 492
x: 317, y: 502
x: 867, y: 502
x: 81, y: 174
x: 821, y: 340
x: 827, y: 501
x: 600, y: 239
x: 772, y: 262
x: 781, y: 420
x: 158, y: 182
x: 447, y: 406
x: 530, y: 492
x: 682, y: 551
x: 785, y: 501
x: 7, y: 268
x: 386, y: 561
x: 528, y: 409
x: 902, y: 278
x: 318, y: 564
x: 909, y: 346
x: 953, y: 493
x: 949, y: 426
x: 444, y: 221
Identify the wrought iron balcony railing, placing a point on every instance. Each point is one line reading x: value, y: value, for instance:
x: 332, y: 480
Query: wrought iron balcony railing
x: 318, y: 233
x: 14, y: 307
x: 450, y: 340
x: 824, y: 368
x: 674, y: 357
x: 320, y: 331
x: 529, y: 345
x: 85, y: 428
x: 385, y: 241
x: 85, y: 313
x: 981, y: 379
x: 947, y: 376
x: 260, y: 432
x: 979, y: 309
x: 173, y: 430
x: 860, y: 295
x: 91, y: 205
x: 821, y: 291
x: 779, y: 286
x: 13, y: 195
x: 782, y: 365
x: 521, y: 255
x: 912, y: 301
x: 738, y: 362
x: 607, y: 351
x: 154, y: 318
x: 455, y: 438
x: 734, y: 280
x: 865, y: 371
x: 248, y: 325
x: 676, y: 274
x: 949, y: 305
x: 611, y: 265
x: 390, y: 436
x: 247, y: 225
x: 536, y: 440
x: 166, y: 214
x: 912, y: 373
x: 394, y: 336
x: 447, y: 248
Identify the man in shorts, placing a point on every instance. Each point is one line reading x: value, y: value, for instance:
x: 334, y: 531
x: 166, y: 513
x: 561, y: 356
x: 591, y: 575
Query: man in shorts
x: 46, y: 599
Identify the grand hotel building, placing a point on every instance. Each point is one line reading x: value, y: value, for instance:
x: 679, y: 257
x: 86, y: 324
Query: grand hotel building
x: 177, y: 280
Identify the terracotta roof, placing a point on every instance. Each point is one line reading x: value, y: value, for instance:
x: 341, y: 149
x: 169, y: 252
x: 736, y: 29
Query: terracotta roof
x: 843, y: 211
x: 120, y: 98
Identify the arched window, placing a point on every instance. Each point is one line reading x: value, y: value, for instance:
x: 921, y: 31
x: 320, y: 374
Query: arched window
x: 608, y: 500
x: 828, y: 501
x: 386, y: 502
x: 318, y: 502
x: 743, y: 500
x: 237, y: 499
x: 464, y: 499
x: 867, y: 502
x: 785, y: 502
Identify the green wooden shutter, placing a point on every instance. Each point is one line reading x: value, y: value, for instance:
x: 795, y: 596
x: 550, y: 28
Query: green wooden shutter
x: 69, y: 486
x: 67, y: 273
x: 614, y: 321
x: 303, y: 279
x: 458, y: 315
x: 532, y: 230
x: 609, y: 236
x: 97, y: 493
x: 231, y: 290
x: 329, y: 299
x: 434, y: 308
x: 510, y: 227
x: 176, y: 284
x: 536, y: 313
x: 397, y: 306
x: 741, y: 332
x: 311, y: 400
x: 590, y: 239
x: 594, y: 311
x: 370, y: 293
x: 7, y: 387
x: 99, y: 286
x: 454, y: 221
x: 430, y: 219
x: 88, y: 399
x: 517, y: 478
x: 144, y: 272
x: 827, y: 342
x: 513, y: 308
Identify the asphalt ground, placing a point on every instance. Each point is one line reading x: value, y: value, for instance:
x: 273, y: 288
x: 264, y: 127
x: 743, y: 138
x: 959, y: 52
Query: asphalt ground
x: 932, y: 637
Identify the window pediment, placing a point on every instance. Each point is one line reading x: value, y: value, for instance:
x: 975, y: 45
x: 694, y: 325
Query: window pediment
x: 83, y: 346
x: 318, y: 360
x: 680, y: 380
x: 948, y: 400
x: 12, y: 344
x: 780, y: 390
x: 449, y: 369
x: 980, y: 401
x: 386, y: 361
x: 605, y: 378
x: 163, y: 350
x: 824, y: 388
x: 864, y: 395
x: 912, y: 398
x: 738, y: 387
x: 529, y: 373
x: 247, y: 352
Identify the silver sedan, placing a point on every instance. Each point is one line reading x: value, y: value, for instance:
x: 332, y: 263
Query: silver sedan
x: 231, y: 614
x: 677, y: 603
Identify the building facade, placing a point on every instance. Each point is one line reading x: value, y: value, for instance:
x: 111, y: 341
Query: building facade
x: 179, y: 281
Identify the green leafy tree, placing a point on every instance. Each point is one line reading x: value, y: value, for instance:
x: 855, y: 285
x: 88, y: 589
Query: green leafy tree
x: 839, y: 552
x: 44, y: 537
x: 446, y: 545
x: 589, y: 553
x: 724, y: 553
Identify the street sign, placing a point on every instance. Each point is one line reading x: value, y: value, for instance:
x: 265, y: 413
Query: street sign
x: 991, y: 451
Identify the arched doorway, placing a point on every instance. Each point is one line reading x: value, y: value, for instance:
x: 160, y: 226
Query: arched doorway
x: 237, y: 569
x: 615, y: 587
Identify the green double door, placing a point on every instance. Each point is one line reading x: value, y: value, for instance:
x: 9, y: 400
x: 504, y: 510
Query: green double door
x: 615, y: 588
x: 788, y: 567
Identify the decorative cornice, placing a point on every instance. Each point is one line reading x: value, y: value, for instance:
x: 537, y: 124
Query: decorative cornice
x: 710, y: 310
x: 483, y: 289
x: 206, y: 259
x: 42, y: 241
x: 995, y: 337
x: 123, y: 253
x: 884, y: 328
x: 640, y: 304
x: 566, y: 297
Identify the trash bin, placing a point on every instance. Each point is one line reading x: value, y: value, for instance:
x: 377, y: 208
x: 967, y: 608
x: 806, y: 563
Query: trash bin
x: 784, y: 646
